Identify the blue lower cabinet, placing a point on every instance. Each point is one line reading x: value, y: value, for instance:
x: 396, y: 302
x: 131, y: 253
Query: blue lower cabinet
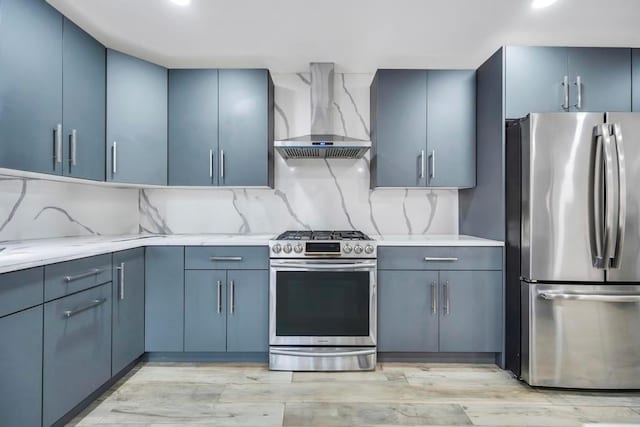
x: 128, y: 308
x: 164, y: 298
x: 407, y: 311
x: 77, y: 349
x: 248, y: 310
x: 21, y: 368
x: 205, y: 315
x: 471, y: 311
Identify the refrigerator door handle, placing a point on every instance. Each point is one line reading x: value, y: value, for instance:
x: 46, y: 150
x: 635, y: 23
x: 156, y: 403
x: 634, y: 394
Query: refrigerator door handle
x: 621, y: 195
x: 596, y: 201
x: 612, y: 208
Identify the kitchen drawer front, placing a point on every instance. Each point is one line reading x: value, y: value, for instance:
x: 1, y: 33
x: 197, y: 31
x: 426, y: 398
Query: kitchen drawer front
x: 20, y: 290
x: 77, y: 349
x: 72, y: 276
x: 227, y: 257
x: 440, y: 258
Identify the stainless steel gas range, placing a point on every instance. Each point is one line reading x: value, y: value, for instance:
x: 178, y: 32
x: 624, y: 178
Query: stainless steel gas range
x: 322, y: 301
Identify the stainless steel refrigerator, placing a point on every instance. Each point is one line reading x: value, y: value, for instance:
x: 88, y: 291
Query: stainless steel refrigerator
x: 573, y: 250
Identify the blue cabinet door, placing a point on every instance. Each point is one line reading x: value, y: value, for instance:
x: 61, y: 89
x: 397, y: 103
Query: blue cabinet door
x: 471, y: 311
x: 245, y: 126
x: 164, y: 298
x: 451, y: 128
x: 636, y: 80
x: 128, y: 308
x: 407, y: 311
x: 248, y: 310
x: 21, y: 368
x: 136, y: 120
x: 399, y: 128
x: 534, y: 78
x: 605, y: 75
x: 205, y: 311
x: 193, y: 127
x: 77, y: 349
x: 30, y: 86
x: 84, y: 103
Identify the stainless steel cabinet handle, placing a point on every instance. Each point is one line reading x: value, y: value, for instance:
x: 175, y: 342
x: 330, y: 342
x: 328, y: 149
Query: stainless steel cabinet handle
x: 590, y: 297
x: 221, y: 163
x: 114, y: 158
x: 432, y: 165
x: 422, y: 164
x: 622, y: 196
x: 225, y: 258
x: 232, y: 297
x: 596, y: 198
x: 93, y: 303
x: 440, y: 259
x: 565, y: 89
x: 120, y: 269
x: 73, y: 146
x: 92, y: 272
x: 578, y: 84
x: 219, y: 296
x: 210, y: 163
x: 434, y: 298
x: 447, y: 302
x: 322, y: 354
x: 58, y: 143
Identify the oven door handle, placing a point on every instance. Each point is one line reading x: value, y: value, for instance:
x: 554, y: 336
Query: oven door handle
x: 323, y: 354
x: 324, y: 266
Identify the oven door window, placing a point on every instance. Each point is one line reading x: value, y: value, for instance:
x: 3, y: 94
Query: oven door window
x: 325, y: 304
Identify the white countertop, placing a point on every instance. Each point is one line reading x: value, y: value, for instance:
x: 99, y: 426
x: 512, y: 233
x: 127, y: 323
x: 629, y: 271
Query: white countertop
x: 19, y: 255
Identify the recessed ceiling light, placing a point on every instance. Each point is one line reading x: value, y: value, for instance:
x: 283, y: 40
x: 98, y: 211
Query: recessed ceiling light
x: 182, y: 2
x: 540, y: 4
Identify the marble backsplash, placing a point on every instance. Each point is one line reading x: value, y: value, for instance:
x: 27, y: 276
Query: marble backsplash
x: 308, y: 194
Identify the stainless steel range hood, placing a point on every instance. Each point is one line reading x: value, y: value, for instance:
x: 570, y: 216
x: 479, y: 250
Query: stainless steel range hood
x: 322, y: 142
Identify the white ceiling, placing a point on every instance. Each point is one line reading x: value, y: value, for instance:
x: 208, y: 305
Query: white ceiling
x: 358, y: 35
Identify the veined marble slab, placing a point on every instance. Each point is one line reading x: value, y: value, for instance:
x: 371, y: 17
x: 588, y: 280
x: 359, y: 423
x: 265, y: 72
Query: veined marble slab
x: 434, y: 240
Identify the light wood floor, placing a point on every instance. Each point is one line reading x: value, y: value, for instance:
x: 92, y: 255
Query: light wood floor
x: 220, y: 394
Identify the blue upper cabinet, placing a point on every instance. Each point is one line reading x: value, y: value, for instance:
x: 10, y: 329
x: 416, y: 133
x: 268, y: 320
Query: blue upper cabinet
x: 604, y: 79
x: 193, y: 127
x: 30, y: 86
x: 451, y: 128
x: 84, y: 98
x: 399, y: 128
x: 136, y: 120
x: 245, y: 156
x: 636, y: 80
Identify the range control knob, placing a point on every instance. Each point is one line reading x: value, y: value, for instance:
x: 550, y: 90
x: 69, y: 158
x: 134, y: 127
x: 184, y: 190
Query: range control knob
x: 287, y: 248
x: 276, y: 248
x: 298, y: 248
x: 368, y: 249
x: 347, y: 248
x: 358, y: 249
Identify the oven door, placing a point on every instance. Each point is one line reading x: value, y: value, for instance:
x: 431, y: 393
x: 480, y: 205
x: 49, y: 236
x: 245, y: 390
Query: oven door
x: 323, y: 302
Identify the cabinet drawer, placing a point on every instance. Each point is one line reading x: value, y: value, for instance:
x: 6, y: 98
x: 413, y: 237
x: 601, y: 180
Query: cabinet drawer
x: 73, y: 276
x: 20, y: 290
x: 77, y: 330
x: 226, y: 257
x: 440, y: 258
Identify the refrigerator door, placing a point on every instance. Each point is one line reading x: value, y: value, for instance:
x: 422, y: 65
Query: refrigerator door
x: 581, y: 336
x: 625, y: 267
x: 558, y: 162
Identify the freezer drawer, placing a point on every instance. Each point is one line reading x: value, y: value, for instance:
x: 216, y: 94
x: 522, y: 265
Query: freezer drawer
x: 581, y: 336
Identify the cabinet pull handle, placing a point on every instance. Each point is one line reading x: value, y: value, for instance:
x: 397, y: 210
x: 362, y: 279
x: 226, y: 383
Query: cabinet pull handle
x: 434, y: 298
x: 578, y: 84
x: 447, y: 302
x: 210, y: 163
x: 57, y: 133
x: 73, y: 144
x: 219, y: 296
x: 221, y: 163
x: 565, y: 90
x: 432, y: 165
x: 440, y: 259
x: 422, y: 165
x: 92, y: 272
x: 114, y: 158
x: 232, y: 298
x: 225, y: 258
x: 93, y: 303
x: 120, y: 269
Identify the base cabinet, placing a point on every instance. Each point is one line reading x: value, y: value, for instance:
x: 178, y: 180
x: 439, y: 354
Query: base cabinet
x: 248, y: 314
x: 205, y: 315
x: 21, y: 368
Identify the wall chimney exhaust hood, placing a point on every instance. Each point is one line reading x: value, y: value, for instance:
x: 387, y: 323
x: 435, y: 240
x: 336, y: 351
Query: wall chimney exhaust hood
x: 322, y: 143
